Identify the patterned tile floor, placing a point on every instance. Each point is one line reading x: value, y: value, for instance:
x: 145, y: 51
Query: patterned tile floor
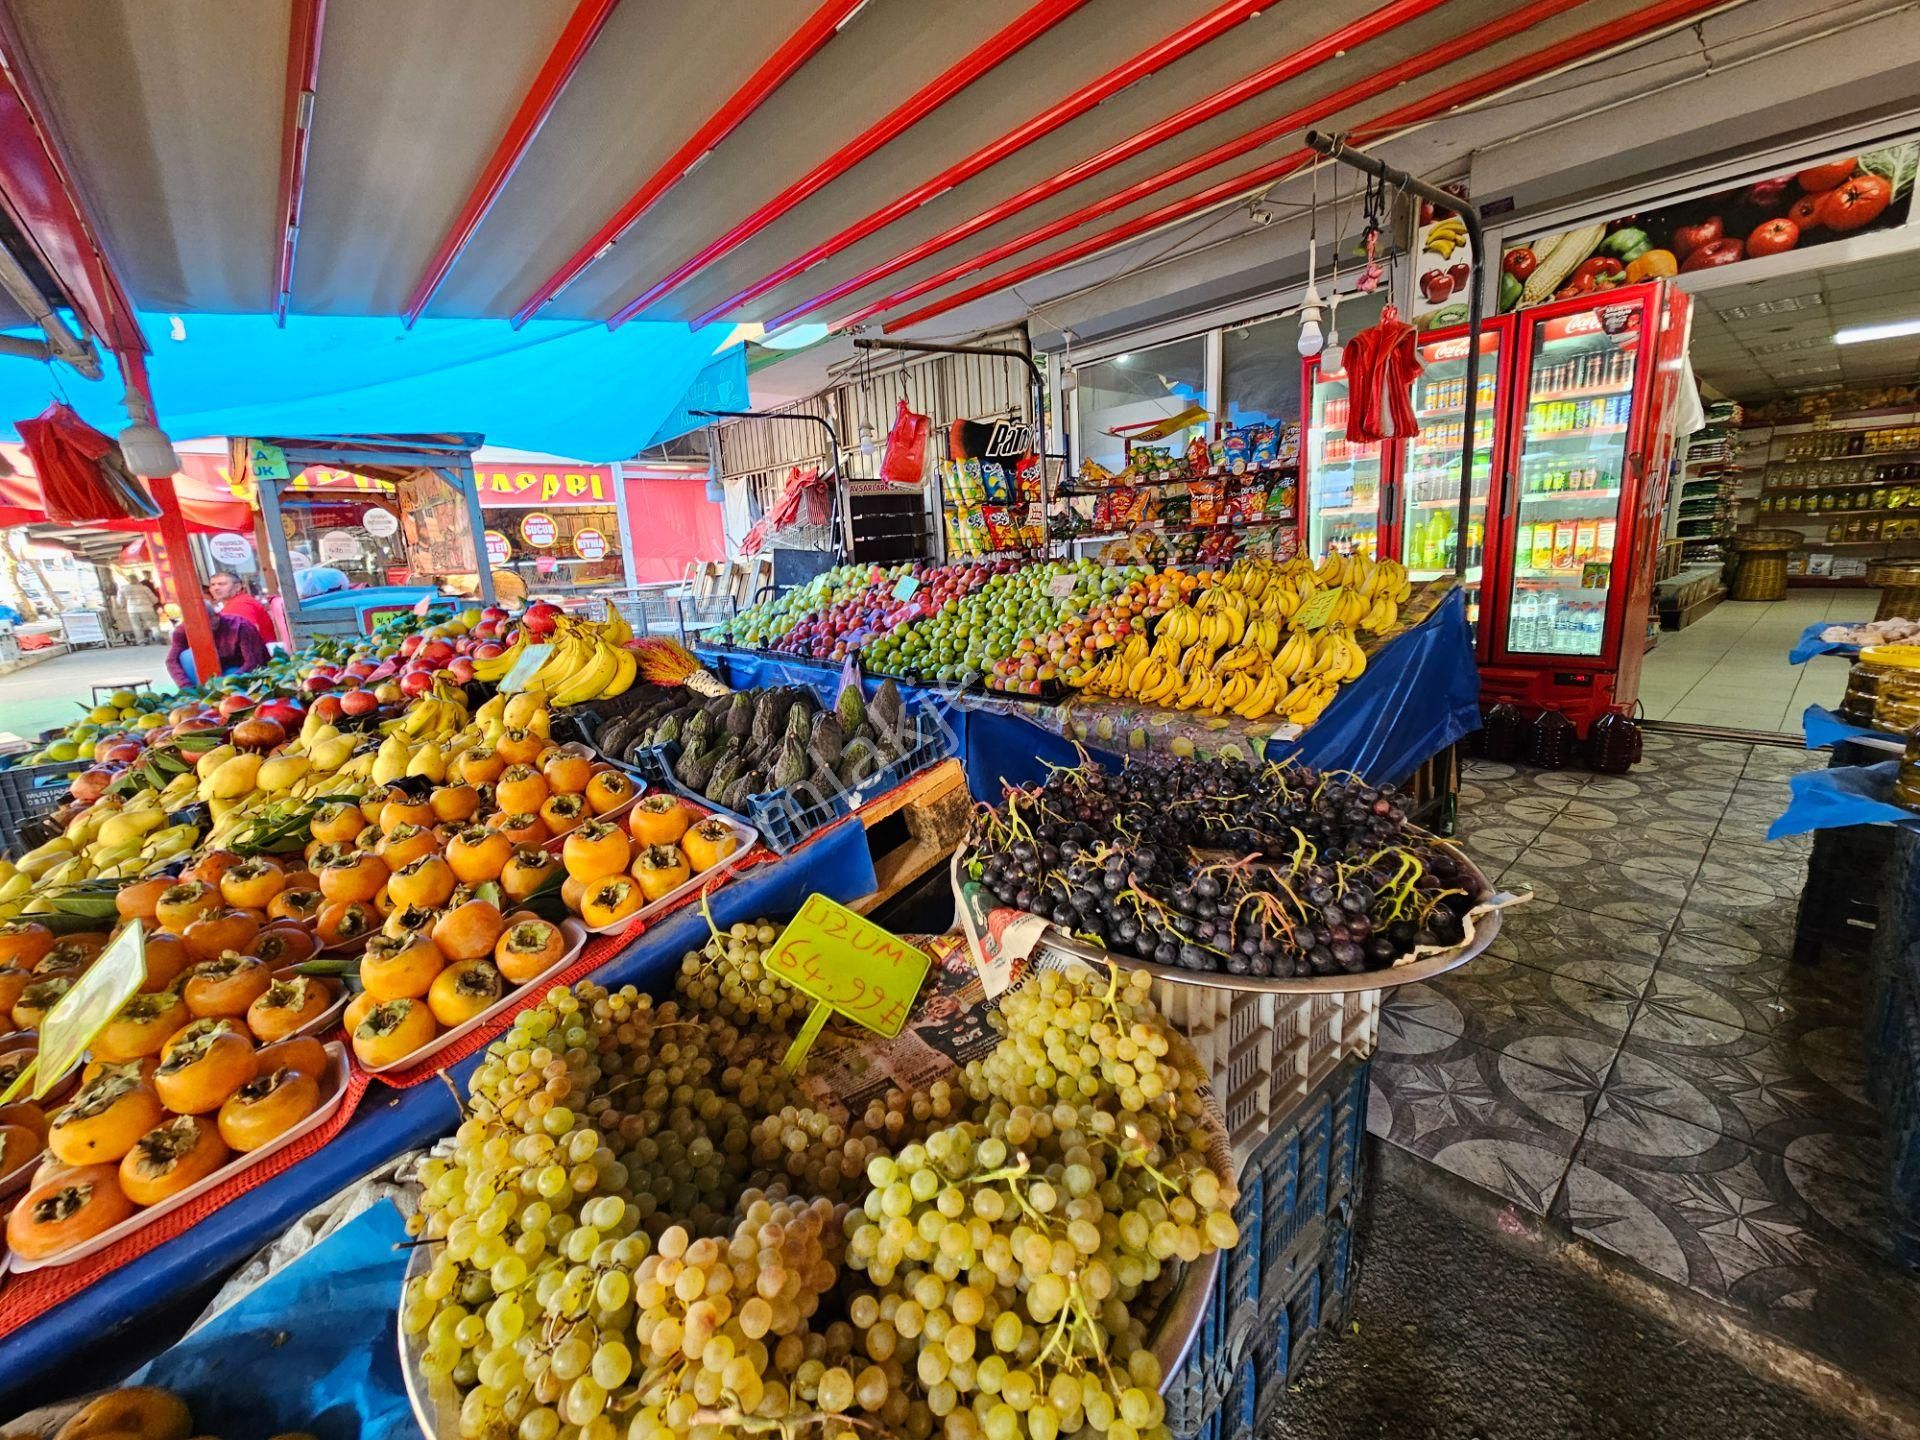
x: 1636, y: 1059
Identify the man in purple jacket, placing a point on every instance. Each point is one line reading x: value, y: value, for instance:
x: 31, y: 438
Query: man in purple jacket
x: 237, y: 643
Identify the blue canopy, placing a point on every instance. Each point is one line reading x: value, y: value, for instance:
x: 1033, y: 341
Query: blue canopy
x: 570, y: 388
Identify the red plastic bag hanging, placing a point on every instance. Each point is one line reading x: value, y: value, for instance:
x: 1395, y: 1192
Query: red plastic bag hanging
x: 906, y: 458
x: 82, y: 478
x: 1381, y: 364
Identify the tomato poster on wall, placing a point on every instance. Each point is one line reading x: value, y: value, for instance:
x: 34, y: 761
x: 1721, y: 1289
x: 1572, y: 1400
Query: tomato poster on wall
x: 1830, y: 200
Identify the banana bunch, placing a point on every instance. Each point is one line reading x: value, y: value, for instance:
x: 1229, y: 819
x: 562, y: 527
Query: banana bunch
x: 1178, y: 628
x: 1223, y: 618
x: 1332, y: 654
x: 436, y: 714
x: 1305, y: 701
x: 1446, y: 236
x: 495, y: 670
x: 584, y: 665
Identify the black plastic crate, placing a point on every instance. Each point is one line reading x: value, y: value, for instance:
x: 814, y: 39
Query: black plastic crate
x: 28, y: 791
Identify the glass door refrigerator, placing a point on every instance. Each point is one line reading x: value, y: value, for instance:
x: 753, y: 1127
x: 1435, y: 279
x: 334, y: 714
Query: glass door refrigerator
x: 1572, y: 559
x: 1342, y: 482
x: 1425, y: 532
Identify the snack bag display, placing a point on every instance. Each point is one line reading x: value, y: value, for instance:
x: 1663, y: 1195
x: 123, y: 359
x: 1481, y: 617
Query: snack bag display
x: 993, y: 480
x: 1279, y: 500
x: 966, y: 484
x: 1233, y: 457
x: 1176, y: 509
x: 1093, y: 475
x: 1204, y: 496
x: 1199, y: 457
x: 1289, y: 446
x: 1260, y: 446
x: 1242, y: 505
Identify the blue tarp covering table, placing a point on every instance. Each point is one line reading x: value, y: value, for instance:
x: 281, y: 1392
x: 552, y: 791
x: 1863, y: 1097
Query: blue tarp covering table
x: 1824, y: 728
x: 1420, y: 694
x: 1844, y: 795
x: 1810, y: 644
x: 836, y: 863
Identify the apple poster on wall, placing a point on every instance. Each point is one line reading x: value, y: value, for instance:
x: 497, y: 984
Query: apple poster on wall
x: 1833, y: 198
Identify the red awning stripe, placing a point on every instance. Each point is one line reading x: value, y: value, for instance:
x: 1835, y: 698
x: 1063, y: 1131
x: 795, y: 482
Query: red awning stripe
x: 1188, y: 38
x: 304, y: 29
x: 1585, y: 45
x: 1029, y: 26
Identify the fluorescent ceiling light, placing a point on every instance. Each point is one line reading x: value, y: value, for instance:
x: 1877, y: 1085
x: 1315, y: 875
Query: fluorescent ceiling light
x: 1861, y: 334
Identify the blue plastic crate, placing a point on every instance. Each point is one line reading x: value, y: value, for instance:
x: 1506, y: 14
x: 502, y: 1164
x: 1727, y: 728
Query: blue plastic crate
x: 1242, y: 1288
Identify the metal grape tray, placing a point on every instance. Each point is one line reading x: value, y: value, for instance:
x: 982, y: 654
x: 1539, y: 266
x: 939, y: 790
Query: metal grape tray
x: 1482, y: 926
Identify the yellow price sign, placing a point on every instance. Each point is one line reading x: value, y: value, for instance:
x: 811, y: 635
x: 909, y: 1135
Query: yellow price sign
x: 849, y: 964
x: 1317, y: 611
x: 83, y: 1012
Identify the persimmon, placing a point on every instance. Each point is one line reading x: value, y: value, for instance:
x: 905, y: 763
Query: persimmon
x: 172, y: 1156
x: 291, y: 904
x: 609, y: 790
x: 266, y: 1107
x: 25, y: 942
x: 519, y: 747
x: 392, y: 1031
x: 609, y: 899
x: 468, y: 931
x: 405, y: 843
x: 478, y: 854
x: 427, y: 880
x: 659, y: 819
x: 708, y: 843
x: 401, y: 808
x: 354, y: 877
x: 527, y: 947
x: 563, y: 811
x: 252, y: 884
x: 283, y: 943
x: 225, y: 986
x: 464, y: 990
x: 595, y: 850
x: 519, y: 790
x: 195, y: 1076
x: 136, y: 899
x: 286, y: 1005
x: 142, y: 1027
x: 211, y: 866
x: 660, y: 869
x: 338, y: 822
x: 527, y: 871
x: 167, y: 957
x: 105, y: 1119
x: 394, y: 969
x: 298, y: 1052
x: 522, y: 829
x: 219, y: 931
x: 67, y: 1210
x: 481, y: 766
x: 565, y: 772
x: 182, y: 904
x: 340, y: 922
x: 456, y: 804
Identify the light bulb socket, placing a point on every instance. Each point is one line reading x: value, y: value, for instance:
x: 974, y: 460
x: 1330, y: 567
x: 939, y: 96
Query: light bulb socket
x: 147, y: 450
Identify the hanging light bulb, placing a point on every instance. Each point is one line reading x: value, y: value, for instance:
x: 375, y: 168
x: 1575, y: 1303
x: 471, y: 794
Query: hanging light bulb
x: 1311, y: 308
x: 866, y: 439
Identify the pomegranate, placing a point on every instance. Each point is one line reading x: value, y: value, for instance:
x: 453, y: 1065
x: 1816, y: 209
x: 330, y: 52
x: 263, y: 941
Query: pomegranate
x: 359, y: 702
x: 254, y: 733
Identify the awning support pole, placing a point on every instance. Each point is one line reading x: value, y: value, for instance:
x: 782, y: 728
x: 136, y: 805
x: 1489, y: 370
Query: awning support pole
x: 187, y: 582
x: 1333, y: 147
x: 470, y: 484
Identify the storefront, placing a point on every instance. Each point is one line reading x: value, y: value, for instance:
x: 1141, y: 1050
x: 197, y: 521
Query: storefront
x: 555, y: 525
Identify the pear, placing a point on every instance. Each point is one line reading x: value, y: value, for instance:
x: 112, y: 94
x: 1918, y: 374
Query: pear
x: 430, y: 760
x: 213, y: 760
x: 279, y: 772
x: 130, y: 826
x: 390, y: 763
x: 236, y: 777
x: 332, y: 753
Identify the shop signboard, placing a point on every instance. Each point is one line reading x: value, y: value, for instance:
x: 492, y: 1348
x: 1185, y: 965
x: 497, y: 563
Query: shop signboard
x: 339, y: 547
x: 538, y: 530
x: 231, y: 550
x: 499, y: 549
x: 1834, y: 199
x: 528, y: 486
x: 380, y: 522
x: 590, y: 544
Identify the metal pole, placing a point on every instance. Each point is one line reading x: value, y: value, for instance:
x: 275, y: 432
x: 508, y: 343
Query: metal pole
x: 1334, y: 148
x: 841, y: 551
x: 1038, y: 382
x: 467, y: 481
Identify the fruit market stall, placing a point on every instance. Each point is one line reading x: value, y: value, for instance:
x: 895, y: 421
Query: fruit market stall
x: 1025, y: 662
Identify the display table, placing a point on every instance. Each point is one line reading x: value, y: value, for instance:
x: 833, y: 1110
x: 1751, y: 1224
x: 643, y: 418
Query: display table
x: 835, y: 863
x: 1420, y: 694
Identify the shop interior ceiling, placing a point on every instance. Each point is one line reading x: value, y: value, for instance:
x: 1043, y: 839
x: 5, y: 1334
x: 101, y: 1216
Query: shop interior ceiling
x: 1775, y: 337
x: 466, y: 157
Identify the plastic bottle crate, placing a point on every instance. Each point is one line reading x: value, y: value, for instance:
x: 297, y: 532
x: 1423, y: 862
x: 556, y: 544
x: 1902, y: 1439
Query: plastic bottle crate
x: 27, y: 791
x: 1265, y: 1052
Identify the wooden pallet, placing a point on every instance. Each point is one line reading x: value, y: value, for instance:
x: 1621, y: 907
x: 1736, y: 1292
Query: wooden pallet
x: 934, y: 806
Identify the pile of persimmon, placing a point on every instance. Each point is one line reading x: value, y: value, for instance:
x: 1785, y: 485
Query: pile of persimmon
x: 141, y: 1130
x: 534, y: 792
x: 614, y: 868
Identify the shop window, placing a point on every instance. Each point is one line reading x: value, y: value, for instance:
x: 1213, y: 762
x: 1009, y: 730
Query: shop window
x: 1136, y: 388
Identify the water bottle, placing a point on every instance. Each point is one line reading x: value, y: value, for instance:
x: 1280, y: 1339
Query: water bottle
x: 1547, y: 622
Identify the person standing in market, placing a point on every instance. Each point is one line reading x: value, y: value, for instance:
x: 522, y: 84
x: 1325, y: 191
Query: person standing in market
x: 142, y: 609
x: 230, y: 593
x: 235, y: 641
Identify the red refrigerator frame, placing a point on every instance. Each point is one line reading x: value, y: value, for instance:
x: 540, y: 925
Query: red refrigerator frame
x: 1389, y: 515
x: 1584, y: 687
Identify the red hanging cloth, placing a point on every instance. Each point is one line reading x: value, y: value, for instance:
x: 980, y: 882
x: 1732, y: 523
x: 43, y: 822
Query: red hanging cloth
x: 82, y: 478
x: 1381, y: 365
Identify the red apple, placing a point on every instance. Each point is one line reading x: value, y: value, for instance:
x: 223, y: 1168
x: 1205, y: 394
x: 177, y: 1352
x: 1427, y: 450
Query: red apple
x: 318, y: 684
x: 90, y: 785
x: 1688, y: 238
x: 121, y: 752
x: 461, y: 669
x: 433, y: 654
x: 410, y: 644
x: 359, y: 670
x: 487, y: 649
x: 235, y: 703
x: 359, y: 702
x: 284, y: 712
x: 415, y: 682
x: 328, y: 710
x: 494, y: 613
